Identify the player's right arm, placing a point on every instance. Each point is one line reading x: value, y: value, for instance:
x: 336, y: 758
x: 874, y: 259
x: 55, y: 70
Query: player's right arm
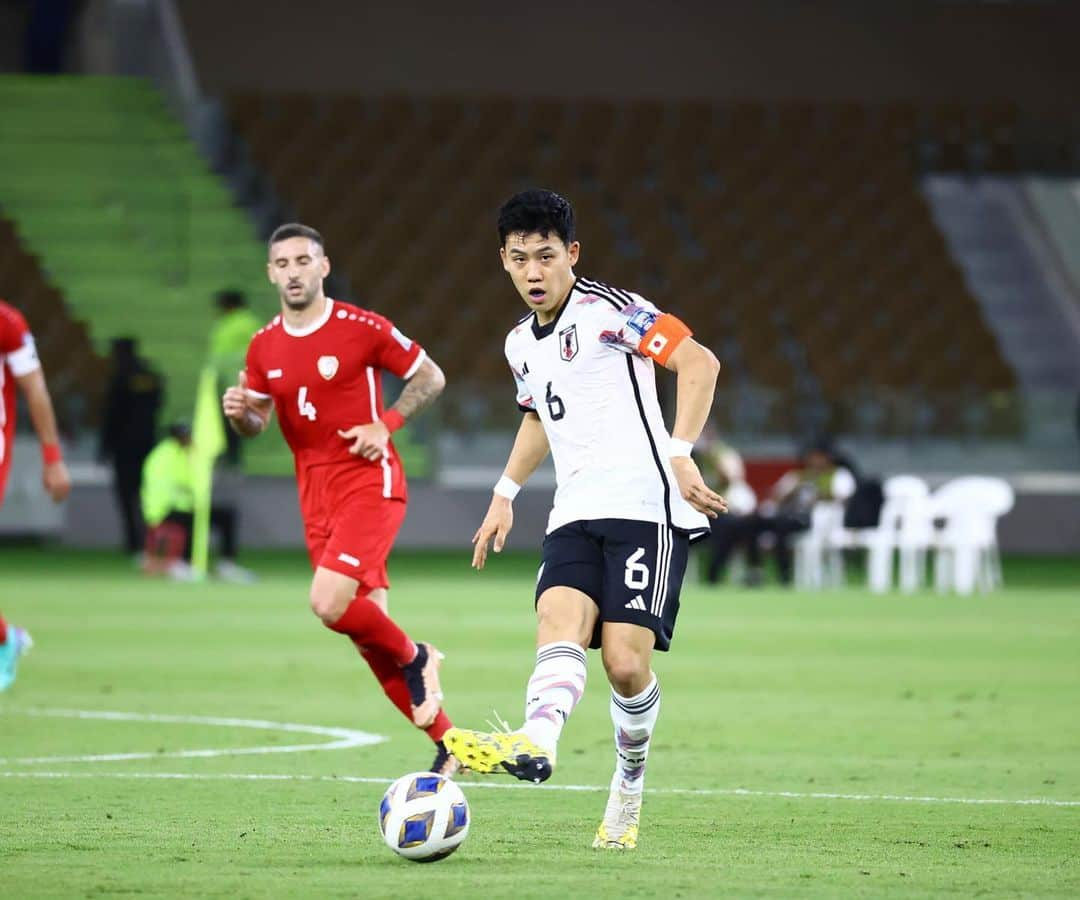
x: 18, y: 352
x: 529, y: 450
x: 248, y: 414
x: 54, y: 473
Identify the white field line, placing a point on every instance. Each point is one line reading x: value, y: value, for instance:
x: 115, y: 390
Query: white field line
x: 345, y: 737
x: 590, y: 788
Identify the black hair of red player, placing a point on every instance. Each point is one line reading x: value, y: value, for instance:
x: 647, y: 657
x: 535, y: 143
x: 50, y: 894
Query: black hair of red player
x: 537, y: 212
x: 295, y: 229
x: 230, y: 299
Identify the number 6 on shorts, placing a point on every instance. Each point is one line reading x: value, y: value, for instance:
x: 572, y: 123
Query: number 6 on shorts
x: 637, y: 573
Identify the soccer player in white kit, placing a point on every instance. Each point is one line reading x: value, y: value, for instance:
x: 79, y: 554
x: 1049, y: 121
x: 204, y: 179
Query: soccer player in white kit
x: 629, y: 498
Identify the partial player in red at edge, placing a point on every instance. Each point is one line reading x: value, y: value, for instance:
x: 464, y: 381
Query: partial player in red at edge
x: 19, y: 365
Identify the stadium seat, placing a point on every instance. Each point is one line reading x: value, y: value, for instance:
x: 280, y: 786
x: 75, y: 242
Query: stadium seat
x: 801, y: 220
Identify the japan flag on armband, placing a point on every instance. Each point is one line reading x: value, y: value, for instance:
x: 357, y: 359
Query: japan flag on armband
x: 657, y: 343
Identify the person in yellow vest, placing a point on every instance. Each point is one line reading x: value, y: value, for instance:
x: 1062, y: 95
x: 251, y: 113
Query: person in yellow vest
x: 229, y: 339
x: 168, y: 499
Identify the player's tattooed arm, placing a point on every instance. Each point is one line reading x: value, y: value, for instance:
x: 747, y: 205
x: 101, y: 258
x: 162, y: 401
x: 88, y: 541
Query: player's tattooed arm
x: 421, y: 390
x: 369, y: 441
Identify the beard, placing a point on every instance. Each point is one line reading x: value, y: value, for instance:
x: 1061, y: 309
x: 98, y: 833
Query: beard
x: 302, y: 302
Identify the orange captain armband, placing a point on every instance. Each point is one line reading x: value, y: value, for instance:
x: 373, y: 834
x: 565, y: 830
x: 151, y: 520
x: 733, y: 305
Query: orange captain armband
x: 660, y: 341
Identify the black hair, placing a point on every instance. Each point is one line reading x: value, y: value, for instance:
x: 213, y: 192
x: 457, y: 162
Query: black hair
x: 124, y: 346
x: 230, y: 299
x: 818, y: 443
x: 180, y: 431
x: 295, y: 229
x: 537, y: 211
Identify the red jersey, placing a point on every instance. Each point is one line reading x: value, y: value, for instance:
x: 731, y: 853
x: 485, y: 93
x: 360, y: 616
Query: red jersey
x: 17, y: 357
x: 327, y: 377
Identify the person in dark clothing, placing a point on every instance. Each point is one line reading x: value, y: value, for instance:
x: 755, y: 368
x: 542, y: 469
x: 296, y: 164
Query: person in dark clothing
x: 128, y: 431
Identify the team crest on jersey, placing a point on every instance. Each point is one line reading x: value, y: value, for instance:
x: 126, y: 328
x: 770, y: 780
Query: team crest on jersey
x: 568, y: 345
x: 327, y: 366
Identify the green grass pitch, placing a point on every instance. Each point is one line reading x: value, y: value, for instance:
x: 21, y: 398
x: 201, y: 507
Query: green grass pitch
x: 833, y: 744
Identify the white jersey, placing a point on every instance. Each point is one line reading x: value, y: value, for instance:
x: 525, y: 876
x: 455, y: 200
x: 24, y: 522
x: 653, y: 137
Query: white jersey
x: 588, y: 375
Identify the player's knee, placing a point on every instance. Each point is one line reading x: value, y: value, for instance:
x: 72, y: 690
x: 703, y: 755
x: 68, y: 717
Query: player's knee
x: 328, y: 604
x: 626, y: 669
x: 560, y: 624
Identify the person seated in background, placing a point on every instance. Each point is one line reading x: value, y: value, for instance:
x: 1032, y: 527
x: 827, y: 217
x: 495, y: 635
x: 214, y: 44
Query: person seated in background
x: 168, y: 506
x: 819, y: 477
x: 724, y: 471
x: 229, y: 338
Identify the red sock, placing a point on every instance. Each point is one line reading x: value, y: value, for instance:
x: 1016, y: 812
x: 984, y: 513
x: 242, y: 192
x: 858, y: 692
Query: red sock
x: 369, y: 626
x: 3, y: 631
x: 393, y: 684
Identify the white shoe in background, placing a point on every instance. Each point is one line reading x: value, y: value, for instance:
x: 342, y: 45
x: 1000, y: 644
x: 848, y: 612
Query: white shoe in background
x: 182, y: 571
x: 229, y: 571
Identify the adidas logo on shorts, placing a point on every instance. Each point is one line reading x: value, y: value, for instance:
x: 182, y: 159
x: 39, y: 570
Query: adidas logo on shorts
x: 637, y: 603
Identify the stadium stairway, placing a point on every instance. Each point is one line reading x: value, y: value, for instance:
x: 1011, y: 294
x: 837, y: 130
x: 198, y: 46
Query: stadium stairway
x: 984, y: 232
x: 106, y: 189
x: 1056, y: 201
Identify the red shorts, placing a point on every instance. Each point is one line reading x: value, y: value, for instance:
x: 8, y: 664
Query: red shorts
x: 349, y: 526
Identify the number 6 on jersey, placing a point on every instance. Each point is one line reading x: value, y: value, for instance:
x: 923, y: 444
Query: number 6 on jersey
x: 307, y: 409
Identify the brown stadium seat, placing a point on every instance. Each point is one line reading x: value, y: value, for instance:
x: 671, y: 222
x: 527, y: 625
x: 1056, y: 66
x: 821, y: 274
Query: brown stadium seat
x: 767, y: 227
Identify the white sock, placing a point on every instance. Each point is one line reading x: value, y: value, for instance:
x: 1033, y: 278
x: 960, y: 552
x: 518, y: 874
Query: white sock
x: 634, y: 719
x: 556, y: 686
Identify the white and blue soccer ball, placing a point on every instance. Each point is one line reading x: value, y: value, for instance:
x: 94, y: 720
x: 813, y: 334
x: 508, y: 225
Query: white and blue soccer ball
x: 424, y: 817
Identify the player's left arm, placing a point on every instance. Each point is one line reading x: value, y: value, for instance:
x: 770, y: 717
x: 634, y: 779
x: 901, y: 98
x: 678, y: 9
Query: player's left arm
x: 420, y: 391
x: 696, y: 368
x: 55, y: 475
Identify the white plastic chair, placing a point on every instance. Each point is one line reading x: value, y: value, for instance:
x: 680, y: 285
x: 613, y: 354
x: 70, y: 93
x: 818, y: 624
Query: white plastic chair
x: 818, y: 563
x: 905, y: 525
x: 967, y: 552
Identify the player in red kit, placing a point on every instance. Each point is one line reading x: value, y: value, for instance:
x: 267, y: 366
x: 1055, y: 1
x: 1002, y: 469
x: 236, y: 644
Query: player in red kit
x: 19, y: 366
x: 319, y: 365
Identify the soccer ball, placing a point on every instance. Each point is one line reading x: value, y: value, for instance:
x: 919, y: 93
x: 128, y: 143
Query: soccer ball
x: 424, y: 817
